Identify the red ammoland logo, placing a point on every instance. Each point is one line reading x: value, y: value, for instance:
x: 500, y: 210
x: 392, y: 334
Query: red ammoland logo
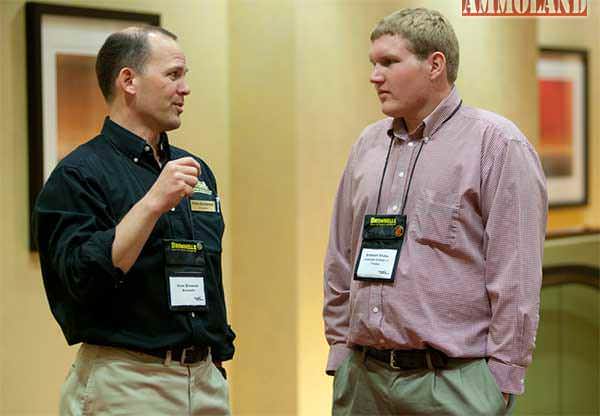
x: 524, y: 7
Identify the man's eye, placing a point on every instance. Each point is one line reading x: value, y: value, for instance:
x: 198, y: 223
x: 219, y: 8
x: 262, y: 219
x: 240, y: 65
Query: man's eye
x: 173, y: 75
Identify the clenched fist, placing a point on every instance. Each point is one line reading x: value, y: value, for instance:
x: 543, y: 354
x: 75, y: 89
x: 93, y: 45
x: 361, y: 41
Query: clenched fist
x: 176, y: 181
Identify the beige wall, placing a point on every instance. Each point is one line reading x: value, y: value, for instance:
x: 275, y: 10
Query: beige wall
x: 4, y: 200
x: 34, y: 357
x: 265, y: 214
x: 279, y: 93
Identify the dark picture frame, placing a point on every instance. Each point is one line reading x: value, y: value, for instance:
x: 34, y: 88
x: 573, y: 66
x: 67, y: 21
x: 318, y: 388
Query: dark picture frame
x: 83, y: 25
x: 563, y: 83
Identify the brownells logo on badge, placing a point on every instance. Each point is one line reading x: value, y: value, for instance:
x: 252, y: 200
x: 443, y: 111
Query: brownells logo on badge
x: 187, y: 247
x: 524, y: 7
x: 382, y: 221
x: 399, y: 231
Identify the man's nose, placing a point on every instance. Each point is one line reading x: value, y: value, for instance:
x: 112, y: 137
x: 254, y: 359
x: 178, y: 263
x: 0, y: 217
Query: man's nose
x: 184, y: 89
x: 376, y: 75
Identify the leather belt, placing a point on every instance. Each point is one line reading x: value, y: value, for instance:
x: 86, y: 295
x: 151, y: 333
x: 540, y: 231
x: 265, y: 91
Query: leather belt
x: 409, y: 359
x: 183, y: 355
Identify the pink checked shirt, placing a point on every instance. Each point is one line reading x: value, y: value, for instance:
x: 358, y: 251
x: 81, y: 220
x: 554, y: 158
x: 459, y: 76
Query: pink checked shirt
x: 469, y: 274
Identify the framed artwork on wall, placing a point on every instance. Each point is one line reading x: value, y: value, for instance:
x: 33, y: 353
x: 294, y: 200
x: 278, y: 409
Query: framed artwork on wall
x: 563, y: 117
x: 65, y: 107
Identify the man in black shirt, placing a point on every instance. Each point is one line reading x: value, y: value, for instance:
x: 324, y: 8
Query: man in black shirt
x: 129, y: 233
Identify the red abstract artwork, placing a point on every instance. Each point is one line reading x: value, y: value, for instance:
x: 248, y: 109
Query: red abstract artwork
x: 556, y: 126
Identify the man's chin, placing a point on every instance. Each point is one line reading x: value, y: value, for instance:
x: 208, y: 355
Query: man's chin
x: 173, y: 124
x: 391, y: 111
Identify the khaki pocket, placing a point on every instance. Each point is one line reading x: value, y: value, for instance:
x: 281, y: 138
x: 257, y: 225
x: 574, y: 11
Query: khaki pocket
x: 341, y: 377
x: 491, y: 382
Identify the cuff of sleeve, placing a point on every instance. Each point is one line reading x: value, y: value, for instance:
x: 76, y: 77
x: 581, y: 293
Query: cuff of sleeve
x: 101, y: 255
x: 510, y: 378
x: 225, y: 351
x: 222, y: 354
x: 337, y: 354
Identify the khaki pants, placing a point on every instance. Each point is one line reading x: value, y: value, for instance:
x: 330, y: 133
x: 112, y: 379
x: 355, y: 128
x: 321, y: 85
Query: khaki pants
x: 370, y: 387
x: 114, y: 381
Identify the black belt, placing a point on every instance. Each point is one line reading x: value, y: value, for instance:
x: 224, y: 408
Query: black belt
x: 187, y: 355
x: 409, y: 359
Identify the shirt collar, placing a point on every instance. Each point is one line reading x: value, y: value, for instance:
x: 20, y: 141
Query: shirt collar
x: 431, y: 123
x: 130, y: 143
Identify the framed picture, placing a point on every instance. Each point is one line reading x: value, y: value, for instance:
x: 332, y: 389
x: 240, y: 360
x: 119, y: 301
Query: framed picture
x: 64, y: 104
x: 563, y: 98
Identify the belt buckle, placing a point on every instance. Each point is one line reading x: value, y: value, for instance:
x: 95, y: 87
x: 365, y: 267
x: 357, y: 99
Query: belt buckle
x: 393, y: 362
x: 184, y: 353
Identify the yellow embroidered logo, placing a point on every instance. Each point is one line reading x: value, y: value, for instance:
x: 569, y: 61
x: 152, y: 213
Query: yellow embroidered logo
x: 383, y: 221
x: 189, y: 247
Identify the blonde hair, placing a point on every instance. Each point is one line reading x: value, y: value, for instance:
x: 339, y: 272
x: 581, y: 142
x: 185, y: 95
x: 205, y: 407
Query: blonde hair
x: 426, y: 31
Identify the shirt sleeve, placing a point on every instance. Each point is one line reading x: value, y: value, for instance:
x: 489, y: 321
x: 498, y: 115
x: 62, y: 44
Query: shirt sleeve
x: 226, y: 350
x: 514, y: 209
x: 74, y: 232
x: 338, y: 272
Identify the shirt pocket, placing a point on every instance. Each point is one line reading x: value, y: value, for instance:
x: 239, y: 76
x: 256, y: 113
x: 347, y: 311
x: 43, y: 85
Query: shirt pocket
x: 436, y: 218
x: 208, y: 222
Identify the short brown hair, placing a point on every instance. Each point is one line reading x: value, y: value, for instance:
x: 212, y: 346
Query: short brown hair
x: 126, y: 48
x: 426, y: 31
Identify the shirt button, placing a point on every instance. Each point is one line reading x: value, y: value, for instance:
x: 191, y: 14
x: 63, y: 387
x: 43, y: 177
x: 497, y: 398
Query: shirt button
x: 173, y: 209
x: 522, y: 381
x: 395, y: 208
x: 411, y: 144
x: 135, y: 160
x: 401, y: 174
x: 147, y: 148
x: 375, y: 309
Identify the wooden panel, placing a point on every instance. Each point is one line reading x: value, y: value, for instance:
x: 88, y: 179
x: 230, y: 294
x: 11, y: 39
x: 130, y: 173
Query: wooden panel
x: 573, y: 250
x: 580, y: 348
x: 563, y: 378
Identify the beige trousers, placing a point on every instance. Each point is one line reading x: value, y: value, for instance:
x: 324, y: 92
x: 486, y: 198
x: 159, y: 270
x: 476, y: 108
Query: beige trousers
x: 367, y: 387
x: 114, y: 381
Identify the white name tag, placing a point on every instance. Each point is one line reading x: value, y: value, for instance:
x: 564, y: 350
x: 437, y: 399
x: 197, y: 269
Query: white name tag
x: 187, y: 291
x: 377, y: 263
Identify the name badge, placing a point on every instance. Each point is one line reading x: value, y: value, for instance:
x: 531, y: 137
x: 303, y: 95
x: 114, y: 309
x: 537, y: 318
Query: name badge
x: 187, y: 291
x: 377, y: 263
x: 199, y: 205
x: 380, y: 248
x: 186, y: 275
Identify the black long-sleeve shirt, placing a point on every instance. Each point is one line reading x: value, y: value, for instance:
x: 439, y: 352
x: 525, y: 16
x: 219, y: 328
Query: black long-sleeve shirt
x: 74, y: 222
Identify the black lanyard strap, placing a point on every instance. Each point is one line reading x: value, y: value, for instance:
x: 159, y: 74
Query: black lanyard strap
x: 412, y: 171
x: 387, y: 157
x: 383, y: 174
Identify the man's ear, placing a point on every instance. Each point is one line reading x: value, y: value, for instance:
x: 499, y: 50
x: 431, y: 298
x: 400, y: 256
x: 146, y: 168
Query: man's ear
x: 126, y: 81
x: 437, y: 64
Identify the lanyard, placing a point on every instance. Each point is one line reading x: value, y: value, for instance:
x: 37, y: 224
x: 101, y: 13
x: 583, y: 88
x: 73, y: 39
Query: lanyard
x: 387, y: 157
